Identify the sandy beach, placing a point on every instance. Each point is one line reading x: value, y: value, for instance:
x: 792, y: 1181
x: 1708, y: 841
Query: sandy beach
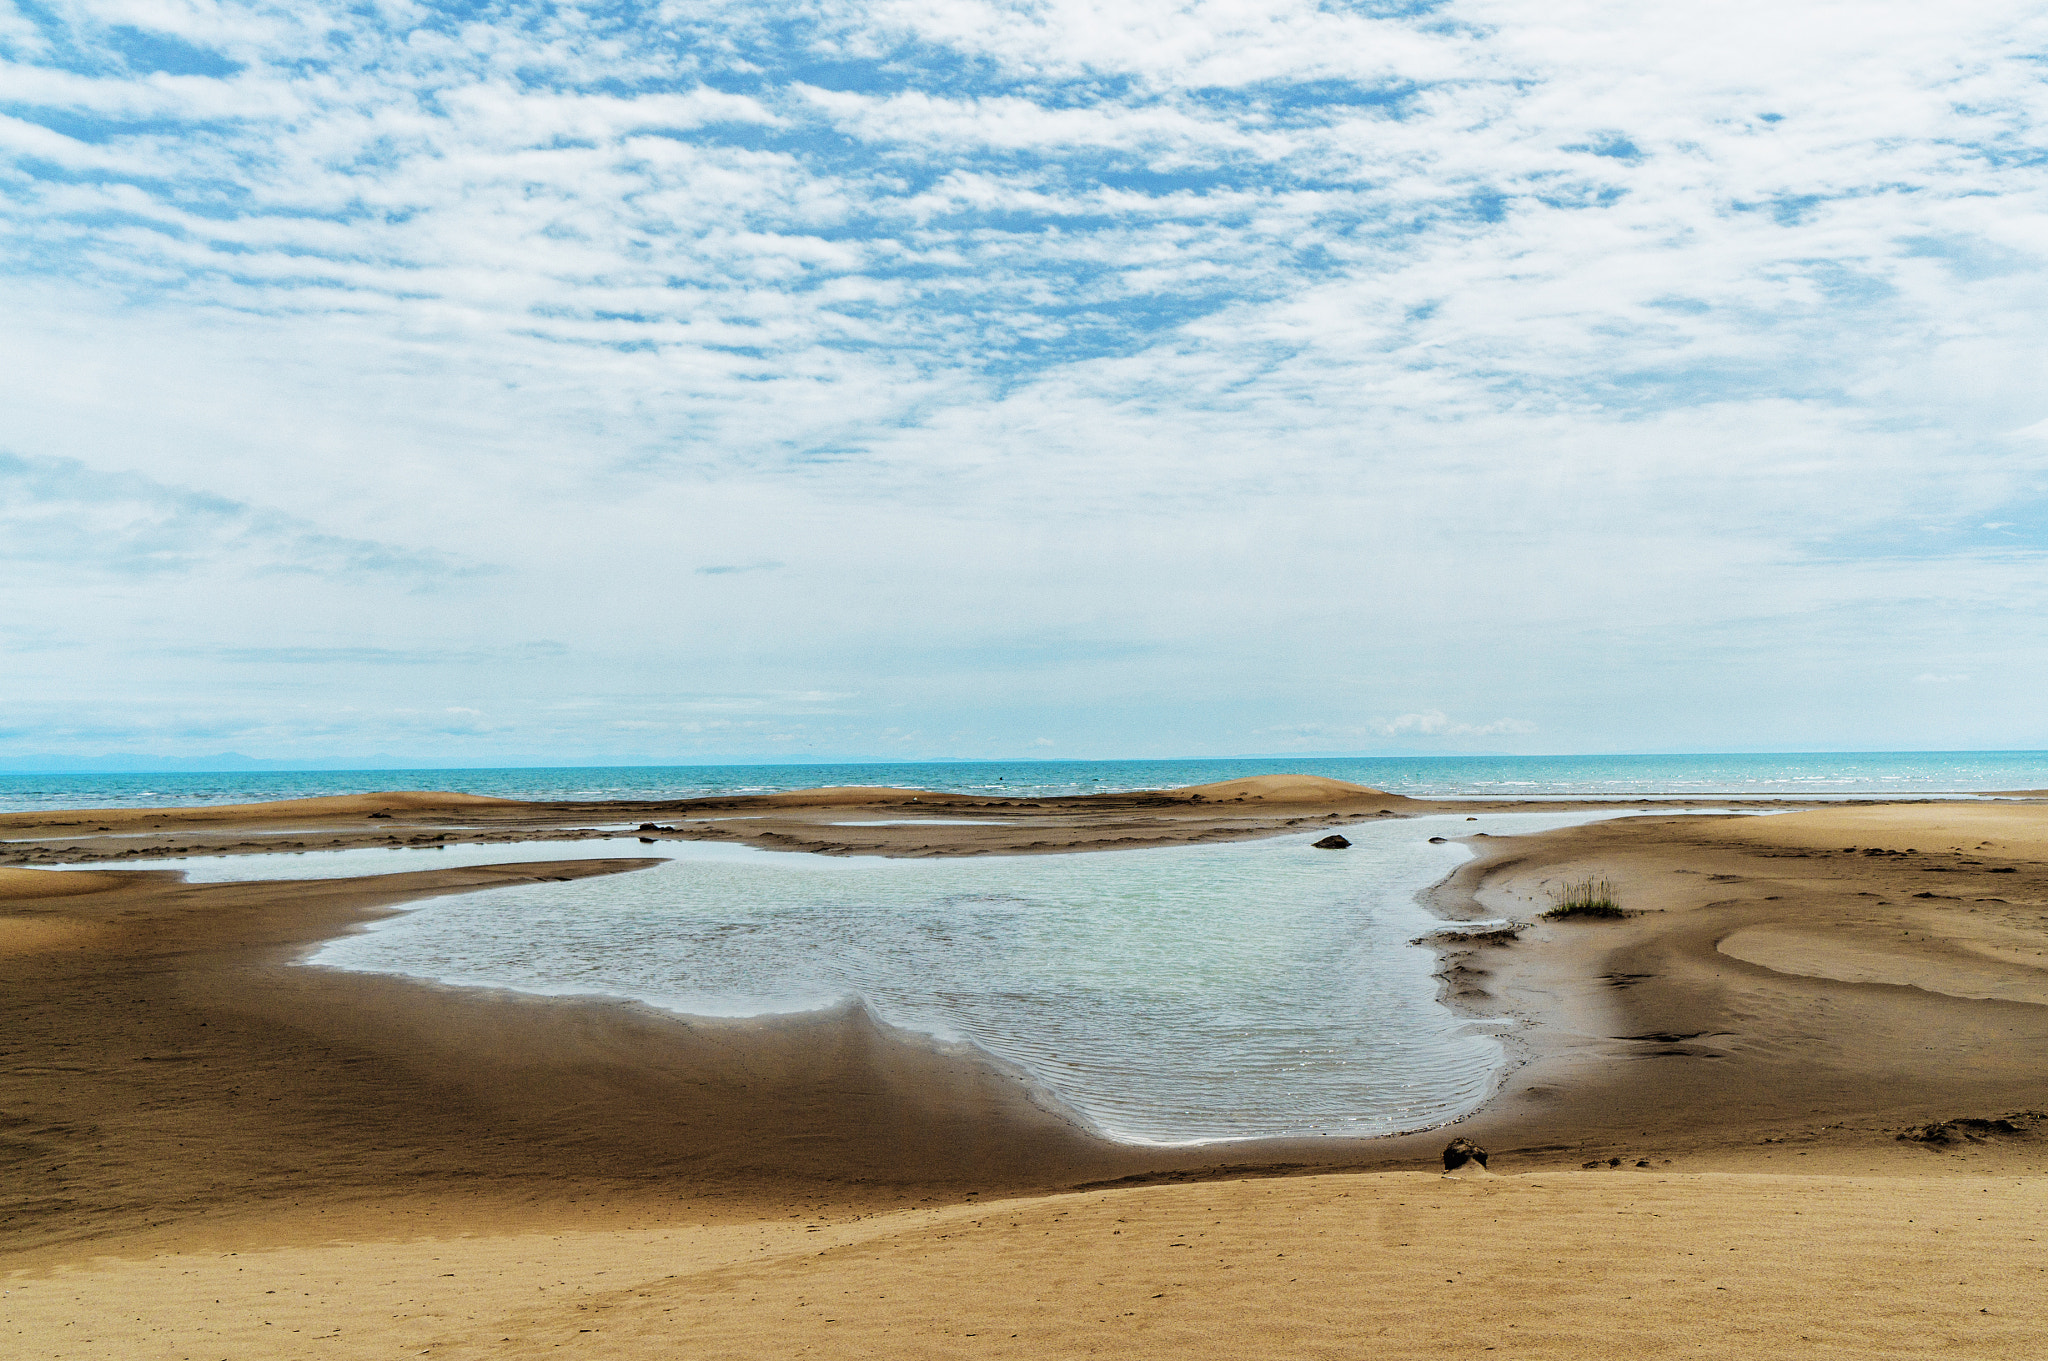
x: 1792, y: 1104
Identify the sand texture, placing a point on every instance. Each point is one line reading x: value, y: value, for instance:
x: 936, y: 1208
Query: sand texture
x: 846, y: 821
x: 1567, y: 1264
x: 1792, y: 1105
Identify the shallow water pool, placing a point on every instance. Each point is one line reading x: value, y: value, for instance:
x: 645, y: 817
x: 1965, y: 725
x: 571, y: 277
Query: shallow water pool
x: 1175, y: 995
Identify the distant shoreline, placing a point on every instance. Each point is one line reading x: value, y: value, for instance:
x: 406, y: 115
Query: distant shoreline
x: 1644, y: 777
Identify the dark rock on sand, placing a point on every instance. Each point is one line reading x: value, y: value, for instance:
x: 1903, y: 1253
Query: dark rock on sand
x: 1497, y: 935
x: 1460, y: 1151
x: 1964, y: 1131
x: 1332, y: 842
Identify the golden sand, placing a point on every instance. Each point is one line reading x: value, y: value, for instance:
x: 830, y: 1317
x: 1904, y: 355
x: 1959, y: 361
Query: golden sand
x: 1806, y: 1078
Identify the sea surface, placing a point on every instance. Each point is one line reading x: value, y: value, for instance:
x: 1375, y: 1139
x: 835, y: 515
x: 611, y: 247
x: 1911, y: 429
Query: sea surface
x: 1790, y: 775
x: 1166, y: 996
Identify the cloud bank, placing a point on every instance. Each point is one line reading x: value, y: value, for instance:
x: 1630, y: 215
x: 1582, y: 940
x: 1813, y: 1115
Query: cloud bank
x: 938, y: 378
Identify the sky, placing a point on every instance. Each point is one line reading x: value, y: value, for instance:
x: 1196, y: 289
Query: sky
x: 954, y: 378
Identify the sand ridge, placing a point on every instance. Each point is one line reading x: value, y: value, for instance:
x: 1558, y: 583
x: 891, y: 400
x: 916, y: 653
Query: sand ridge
x: 884, y: 821
x: 1928, y: 958
x: 236, y: 814
x: 903, y: 822
x: 1303, y: 789
x: 25, y: 885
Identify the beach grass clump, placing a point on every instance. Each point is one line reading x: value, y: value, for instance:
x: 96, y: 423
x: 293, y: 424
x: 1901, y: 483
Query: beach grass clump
x: 1593, y: 896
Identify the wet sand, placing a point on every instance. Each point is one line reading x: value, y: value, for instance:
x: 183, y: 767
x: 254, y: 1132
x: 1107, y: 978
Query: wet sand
x: 1782, y: 1010
x: 1790, y: 991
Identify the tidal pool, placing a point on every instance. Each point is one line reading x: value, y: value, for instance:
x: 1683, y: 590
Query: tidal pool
x: 1167, y: 996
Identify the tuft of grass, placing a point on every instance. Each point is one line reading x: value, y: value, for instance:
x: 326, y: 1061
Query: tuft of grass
x: 1588, y: 897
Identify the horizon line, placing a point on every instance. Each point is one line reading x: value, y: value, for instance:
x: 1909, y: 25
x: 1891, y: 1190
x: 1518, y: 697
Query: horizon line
x: 273, y: 766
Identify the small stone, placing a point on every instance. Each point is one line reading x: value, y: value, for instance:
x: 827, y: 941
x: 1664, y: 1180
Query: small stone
x: 1460, y: 1151
x: 1333, y: 842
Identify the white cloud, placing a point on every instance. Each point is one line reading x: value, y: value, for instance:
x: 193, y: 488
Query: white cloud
x: 1436, y: 723
x: 1265, y: 341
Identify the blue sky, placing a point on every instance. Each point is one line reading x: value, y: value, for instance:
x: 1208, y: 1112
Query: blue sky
x: 954, y: 378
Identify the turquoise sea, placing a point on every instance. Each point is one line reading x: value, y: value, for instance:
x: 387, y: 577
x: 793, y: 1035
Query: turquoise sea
x: 1791, y: 774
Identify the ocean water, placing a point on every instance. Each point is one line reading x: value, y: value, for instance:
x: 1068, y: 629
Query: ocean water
x: 1790, y: 775
x: 1166, y: 996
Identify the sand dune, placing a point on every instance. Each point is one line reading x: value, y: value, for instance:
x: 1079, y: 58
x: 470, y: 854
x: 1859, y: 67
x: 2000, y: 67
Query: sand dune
x: 1306, y: 789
